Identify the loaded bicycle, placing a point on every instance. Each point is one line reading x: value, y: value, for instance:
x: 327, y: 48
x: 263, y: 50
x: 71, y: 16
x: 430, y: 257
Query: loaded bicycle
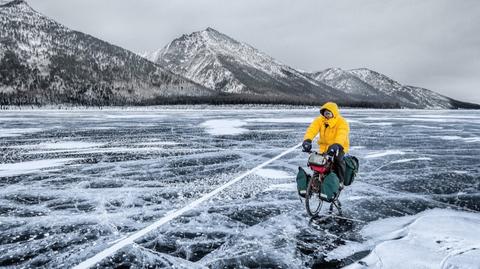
x: 323, y: 185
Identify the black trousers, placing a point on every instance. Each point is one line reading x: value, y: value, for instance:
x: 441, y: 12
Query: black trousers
x: 339, y: 165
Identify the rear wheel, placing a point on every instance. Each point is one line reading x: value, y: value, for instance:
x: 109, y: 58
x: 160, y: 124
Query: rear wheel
x: 313, y: 203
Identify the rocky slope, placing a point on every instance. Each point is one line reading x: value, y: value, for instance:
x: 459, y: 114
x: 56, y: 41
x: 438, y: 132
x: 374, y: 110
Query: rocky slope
x: 228, y: 66
x: 380, y: 88
x: 406, y: 96
x: 219, y: 62
x: 43, y: 62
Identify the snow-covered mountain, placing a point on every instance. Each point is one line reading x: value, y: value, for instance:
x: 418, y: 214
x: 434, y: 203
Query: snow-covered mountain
x: 43, y: 62
x: 406, y: 96
x: 347, y: 82
x: 377, y: 87
x: 219, y: 62
x: 228, y: 66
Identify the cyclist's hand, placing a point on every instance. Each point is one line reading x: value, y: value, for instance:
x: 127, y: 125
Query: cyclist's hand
x: 307, y: 145
x: 334, y: 149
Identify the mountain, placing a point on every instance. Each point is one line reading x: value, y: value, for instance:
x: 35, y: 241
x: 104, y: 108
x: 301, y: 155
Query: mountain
x: 408, y: 96
x: 219, y: 62
x: 348, y: 83
x: 230, y: 67
x: 380, y: 88
x: 43, y: 62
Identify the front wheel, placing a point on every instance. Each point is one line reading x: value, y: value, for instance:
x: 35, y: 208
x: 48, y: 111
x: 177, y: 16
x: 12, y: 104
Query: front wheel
x: 313, y: 203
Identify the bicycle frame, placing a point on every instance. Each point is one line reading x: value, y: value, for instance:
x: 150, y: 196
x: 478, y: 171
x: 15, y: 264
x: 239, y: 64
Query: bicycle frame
x: 321, y: 165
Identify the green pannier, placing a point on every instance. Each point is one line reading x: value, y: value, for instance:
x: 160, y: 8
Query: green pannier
x: 351, y: 169
x: 302, y: 181
x: 330, y: 187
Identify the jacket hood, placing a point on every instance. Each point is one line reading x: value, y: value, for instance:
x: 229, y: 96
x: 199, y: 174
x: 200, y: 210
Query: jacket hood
x: 332, y: 107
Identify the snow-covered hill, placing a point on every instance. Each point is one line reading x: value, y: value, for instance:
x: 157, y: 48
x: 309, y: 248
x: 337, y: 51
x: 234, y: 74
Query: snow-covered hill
x: 345, y: 81
x: 380, y: 88
x: 43, y: 62
x: 219, y: 62
x: 408, y: 96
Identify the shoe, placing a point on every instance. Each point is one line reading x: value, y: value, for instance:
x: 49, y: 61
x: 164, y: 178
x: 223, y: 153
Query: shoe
x: 341, y: 186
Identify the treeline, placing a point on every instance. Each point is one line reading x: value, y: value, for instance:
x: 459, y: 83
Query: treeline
x: 81, y: 81
x: 463, y: 105
x: 224, y: 99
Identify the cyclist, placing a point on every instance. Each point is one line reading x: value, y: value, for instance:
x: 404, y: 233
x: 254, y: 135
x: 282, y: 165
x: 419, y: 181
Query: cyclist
x: 333, y: 139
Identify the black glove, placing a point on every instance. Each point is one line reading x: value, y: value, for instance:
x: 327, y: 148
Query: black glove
x: 334, y: 149
x: 307, y: 145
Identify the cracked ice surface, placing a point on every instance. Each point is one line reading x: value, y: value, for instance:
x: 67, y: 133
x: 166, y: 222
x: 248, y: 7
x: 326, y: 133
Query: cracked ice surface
x: 83, y: 179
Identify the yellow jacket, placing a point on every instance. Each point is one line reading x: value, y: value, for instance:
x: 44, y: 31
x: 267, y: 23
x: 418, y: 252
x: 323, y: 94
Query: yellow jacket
x: 333, y: 131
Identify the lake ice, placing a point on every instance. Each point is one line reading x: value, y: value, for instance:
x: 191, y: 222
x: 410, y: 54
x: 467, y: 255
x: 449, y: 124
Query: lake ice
x: 73, y: 182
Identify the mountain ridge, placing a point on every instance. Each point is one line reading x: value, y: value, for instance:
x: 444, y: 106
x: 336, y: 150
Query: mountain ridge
x: 44, y: 62
x: 213, y: 59
x: 226, y: 65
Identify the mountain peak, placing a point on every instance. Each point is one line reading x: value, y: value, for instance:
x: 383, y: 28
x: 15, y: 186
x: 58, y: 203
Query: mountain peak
x: 217, y: 61
x: 363, y: 70
x: 212, y: 36
x: 210, y: 29
x: 9, y: 3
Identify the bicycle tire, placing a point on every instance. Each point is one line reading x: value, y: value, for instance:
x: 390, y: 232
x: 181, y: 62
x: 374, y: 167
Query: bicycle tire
x: 309, y: 194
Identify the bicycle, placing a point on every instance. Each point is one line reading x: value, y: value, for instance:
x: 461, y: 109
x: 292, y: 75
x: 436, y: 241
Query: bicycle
x: 321, y: 165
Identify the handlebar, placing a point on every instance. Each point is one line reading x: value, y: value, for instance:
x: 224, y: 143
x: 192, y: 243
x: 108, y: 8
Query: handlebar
x: 325, y: 155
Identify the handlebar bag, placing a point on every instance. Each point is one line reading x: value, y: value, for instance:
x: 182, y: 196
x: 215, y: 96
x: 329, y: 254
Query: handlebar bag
x: 316, y: 159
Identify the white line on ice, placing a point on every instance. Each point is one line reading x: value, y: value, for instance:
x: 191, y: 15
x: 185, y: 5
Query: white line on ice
x: 172, y: 215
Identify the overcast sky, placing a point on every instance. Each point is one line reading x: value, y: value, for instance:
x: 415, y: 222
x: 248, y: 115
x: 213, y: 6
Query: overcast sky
x: 430, y: 43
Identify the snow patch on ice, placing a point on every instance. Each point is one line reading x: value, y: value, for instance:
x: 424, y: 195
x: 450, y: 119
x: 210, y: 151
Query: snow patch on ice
x: 224, y: 127
x: 379, y: 123
x: 277, y: 131
x: 101, y: 150
x: 282, y: 120
x: 14, y: 169
x: 133, y: 116
x: 425, y: 126
x: 413, y: 159
x: 282, y: 187
x: 67, y: 145
x: 271, y: 173
x: 12, y: 132
x: 384, y: 153
x: 448, y: 137
x: 456, y: 137
x: 471, y: 139
x: 356, y: 147
x: 157, y: 143
x: 438, y: 238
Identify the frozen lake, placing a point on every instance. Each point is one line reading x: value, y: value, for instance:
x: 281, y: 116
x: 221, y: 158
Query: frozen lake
x: 73, y: 182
